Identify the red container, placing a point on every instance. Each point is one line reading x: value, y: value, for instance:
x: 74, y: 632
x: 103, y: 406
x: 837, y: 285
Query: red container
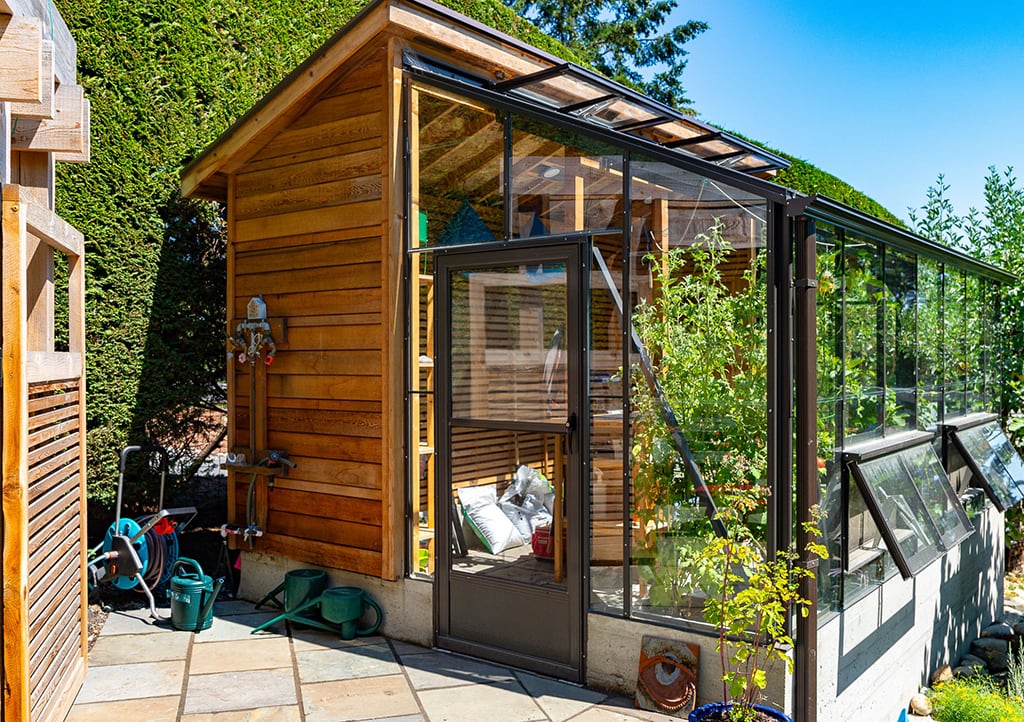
x: 543, y: 543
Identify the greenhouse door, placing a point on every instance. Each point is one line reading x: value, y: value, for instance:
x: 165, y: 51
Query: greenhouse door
x: 510, y: 362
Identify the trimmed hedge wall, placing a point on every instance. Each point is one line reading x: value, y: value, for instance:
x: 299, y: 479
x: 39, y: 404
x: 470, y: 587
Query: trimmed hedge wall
x: 165, y: 79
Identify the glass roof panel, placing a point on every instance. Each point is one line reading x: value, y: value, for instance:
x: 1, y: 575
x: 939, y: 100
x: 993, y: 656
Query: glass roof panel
x: 588, y: 96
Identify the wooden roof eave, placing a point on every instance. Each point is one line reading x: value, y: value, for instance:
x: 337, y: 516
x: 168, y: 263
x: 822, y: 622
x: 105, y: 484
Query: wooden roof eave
x: 417, y: 21
x: 206, y: 176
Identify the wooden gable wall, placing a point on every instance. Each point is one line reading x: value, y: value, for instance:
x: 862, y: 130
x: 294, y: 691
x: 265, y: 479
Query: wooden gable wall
x: 309, y: 222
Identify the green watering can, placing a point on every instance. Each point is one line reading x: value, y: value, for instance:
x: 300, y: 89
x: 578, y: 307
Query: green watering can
x: 192, y: 595
x: 344, y: 606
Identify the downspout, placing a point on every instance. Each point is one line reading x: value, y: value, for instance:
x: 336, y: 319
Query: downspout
x: 806, y: 381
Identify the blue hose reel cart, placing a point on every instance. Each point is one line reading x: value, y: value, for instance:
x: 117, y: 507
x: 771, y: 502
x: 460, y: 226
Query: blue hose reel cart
x: 140, y: 553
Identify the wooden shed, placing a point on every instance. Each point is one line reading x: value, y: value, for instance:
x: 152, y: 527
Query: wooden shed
x: 44, y: 119
x: 448, y: 252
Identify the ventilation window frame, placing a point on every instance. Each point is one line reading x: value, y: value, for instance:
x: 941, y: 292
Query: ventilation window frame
x: 952, y: 434
x: 930, y: 532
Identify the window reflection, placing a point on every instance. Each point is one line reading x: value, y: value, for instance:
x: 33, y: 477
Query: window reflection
x: 929, y: 343
x: 699, y: 309
x: 457, y: 171
x: 900, y: 340
x: 562, y: 182
x: 863, y: 370
x: 954, y: 349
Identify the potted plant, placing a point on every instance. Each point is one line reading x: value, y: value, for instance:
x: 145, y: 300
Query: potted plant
x: 756, y: 596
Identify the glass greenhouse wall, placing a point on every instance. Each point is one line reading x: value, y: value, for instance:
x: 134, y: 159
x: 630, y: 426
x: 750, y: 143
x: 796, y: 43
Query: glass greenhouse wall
x: 905, y: 344
x: 685, y: 278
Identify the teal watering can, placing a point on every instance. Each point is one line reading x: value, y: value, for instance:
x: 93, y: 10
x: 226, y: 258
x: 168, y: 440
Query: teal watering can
x: 192, y: 595
x: 344, y: 606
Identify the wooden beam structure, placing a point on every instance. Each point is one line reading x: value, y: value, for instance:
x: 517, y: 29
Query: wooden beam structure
x: 21, y: 59
x: 44, y: 119
x: 53, y: 28
x: 45, y: 621
x: 45, y: 107
x: 66, y: 133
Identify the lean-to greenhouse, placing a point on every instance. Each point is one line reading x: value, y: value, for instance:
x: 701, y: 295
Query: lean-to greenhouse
x: 534, y: 331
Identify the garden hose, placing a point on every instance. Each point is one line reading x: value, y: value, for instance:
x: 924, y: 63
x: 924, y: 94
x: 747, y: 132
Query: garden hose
x: 163, y: 552
x: 250, y: 511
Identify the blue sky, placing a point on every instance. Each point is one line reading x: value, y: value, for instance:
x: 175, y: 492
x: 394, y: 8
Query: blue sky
x: 885, y: 95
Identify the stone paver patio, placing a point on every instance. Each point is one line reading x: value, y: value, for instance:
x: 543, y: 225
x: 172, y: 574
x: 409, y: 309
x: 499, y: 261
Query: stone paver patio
x: 144, y: 671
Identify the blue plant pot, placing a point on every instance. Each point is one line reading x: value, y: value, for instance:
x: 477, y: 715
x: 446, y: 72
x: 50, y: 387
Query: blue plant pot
x: 707, y: 710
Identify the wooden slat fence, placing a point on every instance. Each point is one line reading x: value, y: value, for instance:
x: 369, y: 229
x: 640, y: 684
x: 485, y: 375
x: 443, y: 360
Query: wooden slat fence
x: 45, y: 622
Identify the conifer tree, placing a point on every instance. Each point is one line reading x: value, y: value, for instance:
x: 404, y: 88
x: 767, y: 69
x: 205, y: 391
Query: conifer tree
x: 621, y: 39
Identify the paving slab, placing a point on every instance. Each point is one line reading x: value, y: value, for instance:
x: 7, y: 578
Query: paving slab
x: 150, y: 709
x: 266, y: 714
x: 240, y: 655
x: 403, y: 649
x: 239, y: 626
x: 228, y: 691
x: 135, y: 648
x: 132, y: 681
x: 505, y: 700
x: 627, y: 706
x: 231, y: 607
x: 437, y: 669
x: 359, y: 699
x: 306, y: 639
x: 137, y: 621
x: 604, y: 714
x: 559, y: 700
x: 324, y: 665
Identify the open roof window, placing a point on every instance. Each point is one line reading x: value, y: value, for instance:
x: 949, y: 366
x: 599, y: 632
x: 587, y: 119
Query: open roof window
x: 912, y: 504
x: 994, y: 463
x: 587, y: 97
x: 576, y: 91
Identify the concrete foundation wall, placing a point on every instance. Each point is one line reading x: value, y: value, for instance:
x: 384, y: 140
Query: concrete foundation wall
x: 885, y: 646
x: 407, y: 603
x: 613, y: 653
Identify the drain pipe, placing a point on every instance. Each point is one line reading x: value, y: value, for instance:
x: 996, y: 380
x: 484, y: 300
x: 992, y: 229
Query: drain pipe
x: 806, y: 382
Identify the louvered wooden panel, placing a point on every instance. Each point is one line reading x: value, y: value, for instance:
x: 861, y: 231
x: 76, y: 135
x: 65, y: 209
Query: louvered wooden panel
x: 55, y: 533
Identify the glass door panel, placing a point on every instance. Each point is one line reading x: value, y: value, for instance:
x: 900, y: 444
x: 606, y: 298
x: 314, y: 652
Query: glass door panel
x: 507, y: 387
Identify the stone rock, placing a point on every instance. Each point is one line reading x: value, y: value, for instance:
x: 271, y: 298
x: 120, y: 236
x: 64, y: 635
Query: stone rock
x: 942, y: 674
x: 961, y: 672
x: 920, y: 705
x: 999, y: 630
x: 969, y: 660
x: 993, y: 650
x: 1018, y: 628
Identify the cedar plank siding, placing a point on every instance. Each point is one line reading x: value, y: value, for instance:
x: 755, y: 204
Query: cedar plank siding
x: 309, y: 233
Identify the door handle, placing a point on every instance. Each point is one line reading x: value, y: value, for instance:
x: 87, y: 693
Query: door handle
x: 570, y: 430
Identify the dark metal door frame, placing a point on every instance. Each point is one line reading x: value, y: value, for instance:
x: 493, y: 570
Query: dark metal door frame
x: 569, y: 664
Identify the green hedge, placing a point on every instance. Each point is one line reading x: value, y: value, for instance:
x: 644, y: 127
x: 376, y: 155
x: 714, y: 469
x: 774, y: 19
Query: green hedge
x: 165, y: 79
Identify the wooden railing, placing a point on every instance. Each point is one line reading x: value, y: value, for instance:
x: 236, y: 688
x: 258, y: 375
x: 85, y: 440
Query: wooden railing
x: 45, y: 622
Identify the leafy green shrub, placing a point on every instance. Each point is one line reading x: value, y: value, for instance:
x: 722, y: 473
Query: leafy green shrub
x: 974, y: 699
